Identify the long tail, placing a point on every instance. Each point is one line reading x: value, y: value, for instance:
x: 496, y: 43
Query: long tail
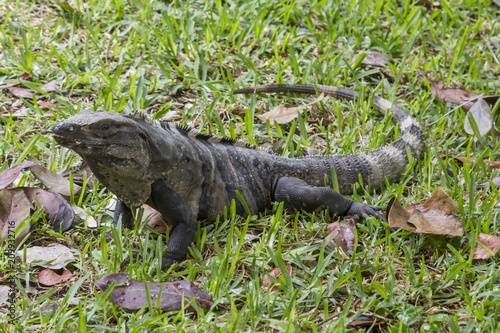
x: 388, y: 162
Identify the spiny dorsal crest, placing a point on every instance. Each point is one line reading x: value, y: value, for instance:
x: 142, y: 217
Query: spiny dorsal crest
x: 141, y: 116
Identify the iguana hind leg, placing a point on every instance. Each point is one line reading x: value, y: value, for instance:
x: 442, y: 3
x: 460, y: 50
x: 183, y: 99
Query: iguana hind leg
x: 297, y: 194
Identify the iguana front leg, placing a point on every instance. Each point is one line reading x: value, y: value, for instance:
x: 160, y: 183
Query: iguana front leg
x: 174, y: 209
x: 297, y: 194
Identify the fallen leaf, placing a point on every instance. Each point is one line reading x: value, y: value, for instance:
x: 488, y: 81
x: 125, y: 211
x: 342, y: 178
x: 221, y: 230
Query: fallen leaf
x: 490, y: 241
x: 131, y: 294
x: 50, y: 278
x: 471, y: 160
x: 27, y: 76
x: 14, y: 209
x: 78, y: 175
x: 451, y: 95
x: 53, y: 256
x: 373, y: 58
x: 155, y: 220
x: 481, y: 113
x: 171, y: 115
x: 436, y: 215
x: 4, y: 294
x: 22, y: 92
x: 56, y: 209
x: 85, y: 216
x: 47, y: 104
x: 275, y: 273
x: 428, y: 4
x: 283, y: 115
x: 495, y: 181
x: 54, y: 181
x: 52, y: 86
x: 342, y: 235
x: 8, y: 176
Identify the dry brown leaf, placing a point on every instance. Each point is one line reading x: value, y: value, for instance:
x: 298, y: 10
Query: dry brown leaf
x: 275, y: 273
x: 52, y: 86
x: 436, y: 215
x: 47, y: 104
x: 57, y: 210
x: 169, y: 296
x: 490, y: 241
x: 14, y: 209
x: 342, y: 235
x: 451, y: 95
x: 481, y: 113
x: 54, y: 181
x: 428, y: 4
x: 155, y: 220
x: 22, y: 92
x: 471, y: 160
x: 283, y: 115
x: 9, y: 175
x: 373, y: 58
x: 49, y: 278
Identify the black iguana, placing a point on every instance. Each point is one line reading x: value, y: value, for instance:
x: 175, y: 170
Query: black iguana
x: 189, y: 176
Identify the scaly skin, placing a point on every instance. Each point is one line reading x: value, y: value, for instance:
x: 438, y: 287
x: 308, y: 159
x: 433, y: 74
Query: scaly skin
x: 188, y: 176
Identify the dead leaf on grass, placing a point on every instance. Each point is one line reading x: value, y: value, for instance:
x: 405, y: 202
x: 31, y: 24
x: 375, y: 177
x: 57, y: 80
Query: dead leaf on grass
x: 481, y: 113
x: 472, y: 160
x: 52, y: 86
x: 14, y: 209
x: 490, y: 241
x: 85, y: 216
x: 54, y: 256
x: 54, y: 181
x: 373, y: 58
x: 47, y: 104
x: 56, y: 209
x: 342, y: 235
x: 22, y: 92
x: 436, y: 215
x: 275, y: 273
x: 428, y: 4
x: 131, y: 294
x: 48, y: 277
x: 495, y: 181
x: 8, y: 176
x: 283, y: 115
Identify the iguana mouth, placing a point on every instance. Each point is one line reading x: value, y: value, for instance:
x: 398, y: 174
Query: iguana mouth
x: 70, y: 143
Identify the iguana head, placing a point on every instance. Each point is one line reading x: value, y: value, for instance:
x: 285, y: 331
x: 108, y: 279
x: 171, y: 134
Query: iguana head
x: 116, y: 147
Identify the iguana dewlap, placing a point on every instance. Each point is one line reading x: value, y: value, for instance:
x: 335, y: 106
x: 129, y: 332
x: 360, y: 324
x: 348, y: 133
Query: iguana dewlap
x: 188, y: 176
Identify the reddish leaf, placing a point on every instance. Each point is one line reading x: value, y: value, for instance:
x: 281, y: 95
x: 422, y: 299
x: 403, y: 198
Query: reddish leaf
x: 14, y: 209
x: 342, y: 235
x: 9, y: 175
x: 436, y: 215
x: 49, y: 278
x: 490, y: 241
x: 131, y: 294
x: 47, y: 104
x: 428, y: 4
x: 27, y: 76
x: 275, y: 273
x: 155, y: 220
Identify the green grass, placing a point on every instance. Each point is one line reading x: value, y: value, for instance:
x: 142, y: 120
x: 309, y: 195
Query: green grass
x: 160, y: 56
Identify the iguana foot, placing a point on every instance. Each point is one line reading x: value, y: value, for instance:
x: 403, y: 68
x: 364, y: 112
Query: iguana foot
x: 361, y: 210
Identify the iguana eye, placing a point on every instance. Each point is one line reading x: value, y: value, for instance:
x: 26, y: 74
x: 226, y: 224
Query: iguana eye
x: 104, y: 127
